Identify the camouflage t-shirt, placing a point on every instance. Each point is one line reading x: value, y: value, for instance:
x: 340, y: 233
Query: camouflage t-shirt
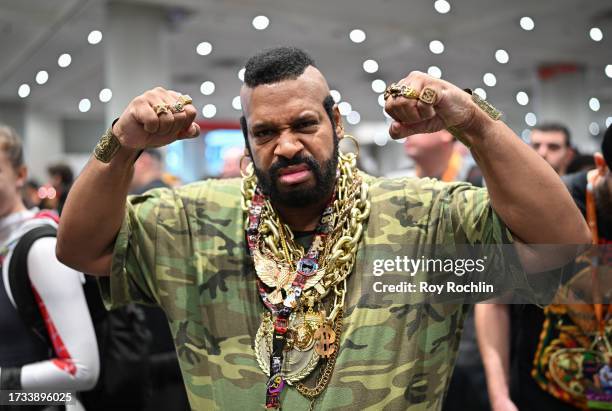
x: 185, y: 250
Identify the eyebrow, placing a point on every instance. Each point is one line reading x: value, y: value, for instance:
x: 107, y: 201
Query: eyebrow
x: 301, y: 117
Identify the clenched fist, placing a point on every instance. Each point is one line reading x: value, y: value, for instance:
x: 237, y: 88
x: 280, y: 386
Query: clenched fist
x: 426, y: 105
x: 143, y: 124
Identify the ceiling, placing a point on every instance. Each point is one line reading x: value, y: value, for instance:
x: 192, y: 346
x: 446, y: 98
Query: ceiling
x: 34, y: 33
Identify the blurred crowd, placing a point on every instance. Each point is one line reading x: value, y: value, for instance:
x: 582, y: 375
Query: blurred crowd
x: 126, y: 358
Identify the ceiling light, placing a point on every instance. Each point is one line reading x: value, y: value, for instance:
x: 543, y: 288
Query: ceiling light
x: 594, y: 129
x: 353, y: 118
x: 204, y: 48
x: 357, y: 36
x: 481, y: 93
x: 105, y: 95
x: 335, y: 95
x: 594, y: 104
x: 596, y: 34
x: 522, y: 98
x: 489, y: 79
x: 434, y: 71
x: 531, y: 119
x: 378, y: 85
x: 442, y: 6
x: 64, y: 60
x: 436, y: 47
x: 345, y: 108
x: 381, y: 100
x: 525, y: 135
x: 23, y: 91
x: 608, y: 122
x: 94, y: 37
x: 380, y: 139
x: 241, y: 74
x: 608, y: 70
x: 84, y: 105
x: 207, y: 88
x: 261, y: 22
x: 236, y: 103
x: 502, y: 56
x: 370, y: 66
x: 41, y: 77
x: 527, y: 23
x: 209, y: 110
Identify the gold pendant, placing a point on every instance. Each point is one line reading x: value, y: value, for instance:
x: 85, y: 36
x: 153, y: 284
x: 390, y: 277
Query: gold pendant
x: 272, y: 274
x: 325, y: 337
x: 304, y: 327
x: 297, y: 365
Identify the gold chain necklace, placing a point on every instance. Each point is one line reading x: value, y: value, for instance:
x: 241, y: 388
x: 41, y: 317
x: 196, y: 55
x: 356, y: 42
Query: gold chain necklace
x: 313, y: 333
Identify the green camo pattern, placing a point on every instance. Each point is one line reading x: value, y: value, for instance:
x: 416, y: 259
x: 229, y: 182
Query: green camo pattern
x: 185, y: 250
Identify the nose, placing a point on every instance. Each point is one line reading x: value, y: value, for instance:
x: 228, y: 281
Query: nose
x: 288, y: 145
x: 542, y: 150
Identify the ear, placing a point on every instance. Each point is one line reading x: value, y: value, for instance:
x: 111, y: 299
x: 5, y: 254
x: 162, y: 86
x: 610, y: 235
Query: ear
x: 22, y: 176
x: 600, y: 164
x: 338, y: 122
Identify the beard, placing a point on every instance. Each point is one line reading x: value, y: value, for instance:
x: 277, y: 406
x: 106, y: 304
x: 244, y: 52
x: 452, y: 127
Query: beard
x: 297, y: 197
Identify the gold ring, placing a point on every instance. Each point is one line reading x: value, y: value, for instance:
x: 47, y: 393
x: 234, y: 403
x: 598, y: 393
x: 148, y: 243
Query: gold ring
x: 401, y: 90
x: 184, y: 99
x: 392, y: 90
x: 178, y: 107
x: 428, y: 96
x: 161, y: 108
x: 181, y: 102
x: 409, y: 92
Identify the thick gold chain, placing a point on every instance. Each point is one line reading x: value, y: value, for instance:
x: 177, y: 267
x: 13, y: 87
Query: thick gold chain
x: 351, y: 210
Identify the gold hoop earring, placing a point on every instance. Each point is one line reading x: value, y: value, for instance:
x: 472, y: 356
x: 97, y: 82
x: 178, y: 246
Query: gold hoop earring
x: 355, y: 142
x: 247, y: 171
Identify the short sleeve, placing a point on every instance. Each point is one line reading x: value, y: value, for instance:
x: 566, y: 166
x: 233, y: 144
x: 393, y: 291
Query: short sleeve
x: 132, y: 276
x: 467, y: 219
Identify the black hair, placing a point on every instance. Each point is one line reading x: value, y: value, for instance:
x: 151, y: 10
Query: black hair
x: 63, y: 171
x: 276, y: 64
x: 556, y: 127
x: 606, y: 147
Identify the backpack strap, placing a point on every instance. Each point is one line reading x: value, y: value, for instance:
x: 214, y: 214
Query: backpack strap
x: 19, y: 281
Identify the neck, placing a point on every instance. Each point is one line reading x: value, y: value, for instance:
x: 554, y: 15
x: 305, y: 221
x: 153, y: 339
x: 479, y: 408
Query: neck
x: 434, y: 165
x: 15, y: 208
x: 303, y: 218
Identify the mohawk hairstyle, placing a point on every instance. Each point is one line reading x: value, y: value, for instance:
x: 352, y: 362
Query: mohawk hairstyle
x: 275, y: 65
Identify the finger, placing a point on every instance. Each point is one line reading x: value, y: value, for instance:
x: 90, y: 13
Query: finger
x: 144, y: 114
x: 190, y: 128
x: 192, y: 131
x: 426, y: 111
x: 166, y: 119
x: 179, y: 124
x: 400, y: 130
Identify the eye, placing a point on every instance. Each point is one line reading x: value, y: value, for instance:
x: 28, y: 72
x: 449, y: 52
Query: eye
x: 306, y: 125
x: 266, y: 132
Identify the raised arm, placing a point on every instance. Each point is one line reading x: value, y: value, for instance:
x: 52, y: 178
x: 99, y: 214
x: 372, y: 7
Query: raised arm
x: 95, y: 207
x: 525, y: 191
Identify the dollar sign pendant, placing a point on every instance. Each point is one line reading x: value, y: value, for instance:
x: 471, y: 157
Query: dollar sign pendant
x: 325, y: 337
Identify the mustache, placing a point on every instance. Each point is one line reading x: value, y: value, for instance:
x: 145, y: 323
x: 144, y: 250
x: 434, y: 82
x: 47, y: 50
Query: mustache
x: 283, y: 162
